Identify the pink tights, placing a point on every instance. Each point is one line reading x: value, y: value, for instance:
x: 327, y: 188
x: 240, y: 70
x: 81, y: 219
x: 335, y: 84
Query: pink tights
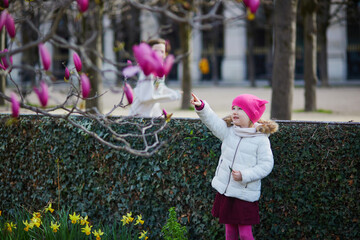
x: 233, y: 231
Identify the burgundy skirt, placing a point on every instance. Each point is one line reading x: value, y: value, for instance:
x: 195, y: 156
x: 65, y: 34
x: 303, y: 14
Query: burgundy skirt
x: 231, y: 210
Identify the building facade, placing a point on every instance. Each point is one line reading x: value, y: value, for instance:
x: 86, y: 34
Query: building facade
x: 237, y: 51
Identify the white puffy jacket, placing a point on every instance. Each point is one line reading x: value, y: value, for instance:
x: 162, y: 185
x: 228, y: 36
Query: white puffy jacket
x: 252, y: 156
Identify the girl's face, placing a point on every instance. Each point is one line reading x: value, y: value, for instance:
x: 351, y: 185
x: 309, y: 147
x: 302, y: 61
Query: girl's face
x: 160, y: 50
x: 239, y: 117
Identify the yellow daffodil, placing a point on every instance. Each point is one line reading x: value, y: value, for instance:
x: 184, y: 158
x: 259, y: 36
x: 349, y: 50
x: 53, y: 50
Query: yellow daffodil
x: 74, y: 218
x: 97, y: 234
x: 49, y: 209
x: 124, y: 220
x: 143, y: 235
x: 36, y: 215
x: 9, y: 227
x: 87, y: 229
x: 84, y: 221
x: 28, y: 225
x: 36, y: 221
x: 54, y: 226
x: 0, y: 213
x: 129, y: 218
x: 139, y: 220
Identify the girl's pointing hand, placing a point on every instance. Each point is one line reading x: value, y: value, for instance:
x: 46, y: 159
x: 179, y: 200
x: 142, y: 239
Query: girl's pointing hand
x: 195, y: 100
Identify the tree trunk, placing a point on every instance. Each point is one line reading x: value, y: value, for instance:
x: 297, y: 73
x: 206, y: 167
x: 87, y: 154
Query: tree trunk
x: 2, y: 78
x: 215, y: 71
x: 30, y: 56
x: 250, y: 55
x: 323, y: 64
x: 269, y: 15
x: 94, y: 24
x: 310, y: 60
x: 284, y: 59
x: 323, y: 22
x: 185, y: 37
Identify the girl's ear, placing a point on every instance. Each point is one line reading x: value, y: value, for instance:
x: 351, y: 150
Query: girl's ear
x: 251, y: 124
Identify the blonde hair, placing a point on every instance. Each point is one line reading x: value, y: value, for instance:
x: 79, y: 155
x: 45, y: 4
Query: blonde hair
x: 267, y: 126
x: 155, y: 41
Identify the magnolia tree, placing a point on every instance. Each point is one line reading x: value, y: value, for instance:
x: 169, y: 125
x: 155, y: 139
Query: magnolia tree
x: 199, y: 14
x: 122, y: 131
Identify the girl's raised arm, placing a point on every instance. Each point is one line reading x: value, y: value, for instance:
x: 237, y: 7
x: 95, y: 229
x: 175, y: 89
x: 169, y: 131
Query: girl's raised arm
x: 216, y: 125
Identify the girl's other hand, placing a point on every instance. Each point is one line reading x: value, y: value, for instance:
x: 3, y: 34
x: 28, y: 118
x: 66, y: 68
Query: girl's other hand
x: 236, y: 175
x: 195, y: 100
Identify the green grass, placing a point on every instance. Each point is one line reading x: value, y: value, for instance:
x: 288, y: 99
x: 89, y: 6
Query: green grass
x: 317, y: 111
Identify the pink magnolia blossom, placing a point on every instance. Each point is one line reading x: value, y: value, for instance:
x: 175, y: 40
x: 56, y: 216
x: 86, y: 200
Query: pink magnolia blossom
x: 130, y: 71
x: 164, y: 112
x: 4, y: 61
x: 3, y: 17
x: 15, y: 106
x: 128, y: 93
x: 83, y: 5
x: 157, y: 64
x: 246, y: 2
x: 77, y: 62
x: 166, y: 115
x: 67, y: 74
x: 10, y: 25
x: 45, y: 56
x: 150, y: 62
x: 85, y: 85
x: 168, y: 63
x: 142, y: 53
x: 6, y: 3
x: 253, y: 5
x: 42, y: 93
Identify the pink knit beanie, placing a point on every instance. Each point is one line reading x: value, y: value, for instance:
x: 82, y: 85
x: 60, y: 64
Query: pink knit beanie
x: 253, y: 106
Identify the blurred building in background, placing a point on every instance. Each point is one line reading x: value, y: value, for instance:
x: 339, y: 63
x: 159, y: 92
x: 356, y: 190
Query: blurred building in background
x: 239, y: 50
x: 236, y: 51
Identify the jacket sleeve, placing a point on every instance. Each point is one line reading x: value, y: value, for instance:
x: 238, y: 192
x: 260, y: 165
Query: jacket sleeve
x: 265, y: 163
x: 146, y: 92
x: 165, y: 94
x: 216, y: 125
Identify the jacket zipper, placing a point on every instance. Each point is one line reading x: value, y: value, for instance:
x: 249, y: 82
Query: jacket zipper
x: 232, y: 164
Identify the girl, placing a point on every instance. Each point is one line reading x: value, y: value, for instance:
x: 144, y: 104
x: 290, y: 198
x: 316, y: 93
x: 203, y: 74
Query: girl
x: 151, y: 90
x: 245, y: 159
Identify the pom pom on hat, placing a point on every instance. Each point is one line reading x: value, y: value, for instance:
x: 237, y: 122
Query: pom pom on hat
x: 253, y: 106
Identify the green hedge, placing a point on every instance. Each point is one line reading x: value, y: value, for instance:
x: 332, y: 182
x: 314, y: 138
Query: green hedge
x: 312, y: 193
